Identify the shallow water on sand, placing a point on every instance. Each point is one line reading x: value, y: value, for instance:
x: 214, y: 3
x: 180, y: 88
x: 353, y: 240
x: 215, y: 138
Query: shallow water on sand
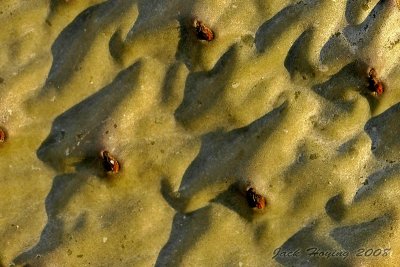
x: 278, y: 101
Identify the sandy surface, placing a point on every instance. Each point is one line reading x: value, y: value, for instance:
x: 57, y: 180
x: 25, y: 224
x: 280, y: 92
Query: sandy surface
x: 279, y: 101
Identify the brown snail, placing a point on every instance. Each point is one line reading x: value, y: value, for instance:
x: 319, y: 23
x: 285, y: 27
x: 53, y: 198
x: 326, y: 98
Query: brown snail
x: 255, y: 200
x: 110, y: 163
x: 2, y: 136
x: 374, y: 84
x: 203, y: 32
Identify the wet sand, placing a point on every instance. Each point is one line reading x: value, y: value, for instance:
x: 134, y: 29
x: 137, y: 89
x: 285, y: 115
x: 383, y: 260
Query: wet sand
x: 278, y: 101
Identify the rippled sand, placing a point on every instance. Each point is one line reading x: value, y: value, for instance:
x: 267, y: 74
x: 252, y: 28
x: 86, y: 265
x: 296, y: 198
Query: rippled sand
x: 279, y: 101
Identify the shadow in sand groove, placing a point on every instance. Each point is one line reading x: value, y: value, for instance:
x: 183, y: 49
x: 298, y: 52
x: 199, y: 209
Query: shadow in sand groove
x: 64, y: 186
x: 74, y: 42
x: 221, y: 158
x: 268, y: 32
x: 83, y: 123
x: 218, y: 152
x: 308, y: 245
x: 186, y: 231
x: 77, y: 133
x: 203, y: 89
x: 383, y: 131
